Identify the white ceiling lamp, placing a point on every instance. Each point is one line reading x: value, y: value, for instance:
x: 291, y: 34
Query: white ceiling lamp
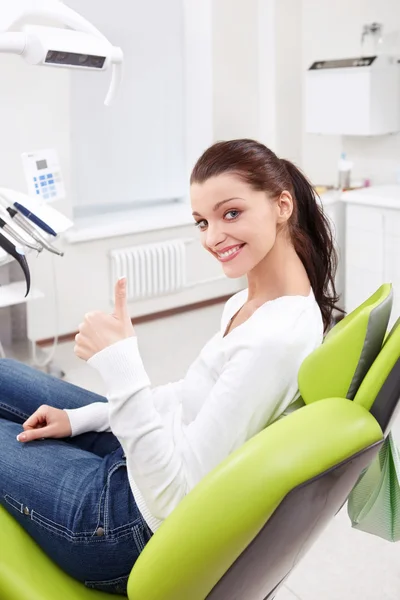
x: 77, y: 44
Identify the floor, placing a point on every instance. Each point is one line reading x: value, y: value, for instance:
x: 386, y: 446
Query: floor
x: 344, y: 564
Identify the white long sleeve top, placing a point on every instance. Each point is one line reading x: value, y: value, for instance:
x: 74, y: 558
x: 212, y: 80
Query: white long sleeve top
x: 174, y: 434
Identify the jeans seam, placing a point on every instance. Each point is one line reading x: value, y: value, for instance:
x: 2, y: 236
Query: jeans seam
x: 117, y: 585
x: 80, y: 535
x: 14, y: 411
x: 138, y: 540
x: 75, y: 537
x: 46, y: 522
x: 15, y: 504
x: 113, y: 469
x: 99, y: 509
x: 62, y: 530
x: 106, y: 581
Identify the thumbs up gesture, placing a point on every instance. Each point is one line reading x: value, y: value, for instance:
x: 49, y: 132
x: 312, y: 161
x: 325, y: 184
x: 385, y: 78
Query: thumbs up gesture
x: 100, y: 330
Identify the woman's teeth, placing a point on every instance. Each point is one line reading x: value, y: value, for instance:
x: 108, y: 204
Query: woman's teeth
x: 230, y: 252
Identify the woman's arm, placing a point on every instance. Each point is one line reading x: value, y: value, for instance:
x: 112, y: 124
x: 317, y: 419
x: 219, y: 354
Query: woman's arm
x: 96, y: 416
x: 165, y: 457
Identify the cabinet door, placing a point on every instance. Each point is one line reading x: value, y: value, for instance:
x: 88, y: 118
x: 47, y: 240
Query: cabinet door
x: 364, y: 253
x: 392, y: 258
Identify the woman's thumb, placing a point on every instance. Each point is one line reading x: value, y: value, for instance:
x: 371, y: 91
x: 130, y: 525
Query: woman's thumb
x: 120, y: 305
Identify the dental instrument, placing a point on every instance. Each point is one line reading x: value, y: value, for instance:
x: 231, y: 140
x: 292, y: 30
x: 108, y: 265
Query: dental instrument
x: 18, y: 254
x: 19, y: 238
x: 28, y: 228
x: 32, y: 217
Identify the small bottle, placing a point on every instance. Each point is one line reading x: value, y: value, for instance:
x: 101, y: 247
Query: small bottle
x: 344, y: 169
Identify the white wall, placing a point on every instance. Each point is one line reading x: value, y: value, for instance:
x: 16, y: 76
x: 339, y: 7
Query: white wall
x: 257, y: 73
x: 288, y: 77
x: 26, y: 123
x: 333, y: 30
x: 235, y: 69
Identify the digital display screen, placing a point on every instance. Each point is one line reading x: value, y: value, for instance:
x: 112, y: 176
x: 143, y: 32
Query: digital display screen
x: 343, y: 63
x: 41, y: 164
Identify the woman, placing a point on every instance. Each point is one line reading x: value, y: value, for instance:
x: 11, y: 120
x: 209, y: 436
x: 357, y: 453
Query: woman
x: 126, y: 462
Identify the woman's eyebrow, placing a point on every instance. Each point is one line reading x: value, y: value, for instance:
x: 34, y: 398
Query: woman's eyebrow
x: 217, y: 206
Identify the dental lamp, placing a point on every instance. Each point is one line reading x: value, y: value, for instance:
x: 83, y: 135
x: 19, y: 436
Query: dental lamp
x: 81, y: 46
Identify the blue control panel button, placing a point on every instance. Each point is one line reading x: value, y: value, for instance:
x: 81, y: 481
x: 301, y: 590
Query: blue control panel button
x: 41, y: 177
x: 37, y: 191
x: 49, y: 175
x: 52, y: 188
x: 45, y: 196
x: 36, y: 185
x: 35, y: 179
x: 43, y: 183
x: 50, y: 181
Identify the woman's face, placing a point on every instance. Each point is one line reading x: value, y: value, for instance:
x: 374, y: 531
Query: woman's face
x: 237, y: 224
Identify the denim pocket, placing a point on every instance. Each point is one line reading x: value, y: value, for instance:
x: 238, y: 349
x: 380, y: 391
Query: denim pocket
x: 112, y: 586
x: 118, y: 510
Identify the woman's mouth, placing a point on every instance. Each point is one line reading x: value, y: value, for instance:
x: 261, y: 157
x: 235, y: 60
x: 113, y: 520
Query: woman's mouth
x: 230, y: 254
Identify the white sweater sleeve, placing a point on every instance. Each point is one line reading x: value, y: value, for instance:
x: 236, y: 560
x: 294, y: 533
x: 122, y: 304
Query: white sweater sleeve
x: 166, y: 457
x: 93, y: 417
x: 96, y: 416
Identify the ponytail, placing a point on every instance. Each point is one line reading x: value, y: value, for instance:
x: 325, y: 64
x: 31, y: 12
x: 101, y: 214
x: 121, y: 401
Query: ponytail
x: 313, y: 241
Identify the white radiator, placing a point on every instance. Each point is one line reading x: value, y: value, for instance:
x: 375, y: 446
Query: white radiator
x: 151, y: 269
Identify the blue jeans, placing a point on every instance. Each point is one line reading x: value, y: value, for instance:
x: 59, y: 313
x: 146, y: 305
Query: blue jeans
x: 72, y: 495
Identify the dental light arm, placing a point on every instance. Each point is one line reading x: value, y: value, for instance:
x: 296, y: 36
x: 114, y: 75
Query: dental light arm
x: 82, y: 46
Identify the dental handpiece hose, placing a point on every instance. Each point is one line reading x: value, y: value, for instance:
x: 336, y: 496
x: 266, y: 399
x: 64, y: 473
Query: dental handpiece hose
x: 25, y: 225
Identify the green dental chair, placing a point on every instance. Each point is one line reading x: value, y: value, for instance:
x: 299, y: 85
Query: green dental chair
x: 243, y: 528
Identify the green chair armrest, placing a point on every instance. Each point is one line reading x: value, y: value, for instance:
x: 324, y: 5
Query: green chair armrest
x: 27, y: 573
x: 213, y: 524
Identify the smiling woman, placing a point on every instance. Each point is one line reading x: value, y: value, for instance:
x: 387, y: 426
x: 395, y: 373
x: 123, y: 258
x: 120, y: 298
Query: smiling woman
x: 126, y: 461
x: 259, y: 216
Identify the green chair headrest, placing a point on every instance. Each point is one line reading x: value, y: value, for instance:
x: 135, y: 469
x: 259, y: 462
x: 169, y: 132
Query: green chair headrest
x: 339, y: 365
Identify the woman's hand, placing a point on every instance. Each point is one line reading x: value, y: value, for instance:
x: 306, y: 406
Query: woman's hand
x: 100, y: 330
x: 46, y: 422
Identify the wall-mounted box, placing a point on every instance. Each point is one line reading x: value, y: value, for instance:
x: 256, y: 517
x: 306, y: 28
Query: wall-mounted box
x: 355, y: 96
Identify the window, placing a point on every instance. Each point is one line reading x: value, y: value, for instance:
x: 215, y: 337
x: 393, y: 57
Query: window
x: 137, y: 150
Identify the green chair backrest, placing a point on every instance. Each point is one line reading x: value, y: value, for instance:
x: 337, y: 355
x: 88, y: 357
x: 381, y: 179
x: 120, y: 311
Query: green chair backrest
x: 380, y: 390
x: 339, y: 365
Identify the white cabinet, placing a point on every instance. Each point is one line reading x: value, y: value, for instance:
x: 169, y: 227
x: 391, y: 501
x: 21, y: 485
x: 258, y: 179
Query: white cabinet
x: 372, y: 245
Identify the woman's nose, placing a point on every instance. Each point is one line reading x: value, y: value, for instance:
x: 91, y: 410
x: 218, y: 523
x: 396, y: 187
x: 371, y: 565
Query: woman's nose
x: 214, y: 236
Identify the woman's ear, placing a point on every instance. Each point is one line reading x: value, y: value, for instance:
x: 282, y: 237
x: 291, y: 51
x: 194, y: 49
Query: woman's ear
x: 284, y: 207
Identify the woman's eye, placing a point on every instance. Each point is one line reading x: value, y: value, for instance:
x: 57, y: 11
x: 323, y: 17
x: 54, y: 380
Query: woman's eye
x: 201, y: 224
x: 234, y: 214
x: 230, y: 215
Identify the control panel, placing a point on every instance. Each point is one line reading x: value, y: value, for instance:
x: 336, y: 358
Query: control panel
x: 43, y: 175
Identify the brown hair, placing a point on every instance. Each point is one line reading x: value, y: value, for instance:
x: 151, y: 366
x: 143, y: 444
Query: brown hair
x: 309, y: 228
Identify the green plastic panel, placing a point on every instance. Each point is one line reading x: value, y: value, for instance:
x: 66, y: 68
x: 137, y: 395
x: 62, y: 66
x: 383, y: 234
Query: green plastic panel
x: 218, y: 519
x: 27, y: 573
x: 339, y: 365
x: 378, y: 373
